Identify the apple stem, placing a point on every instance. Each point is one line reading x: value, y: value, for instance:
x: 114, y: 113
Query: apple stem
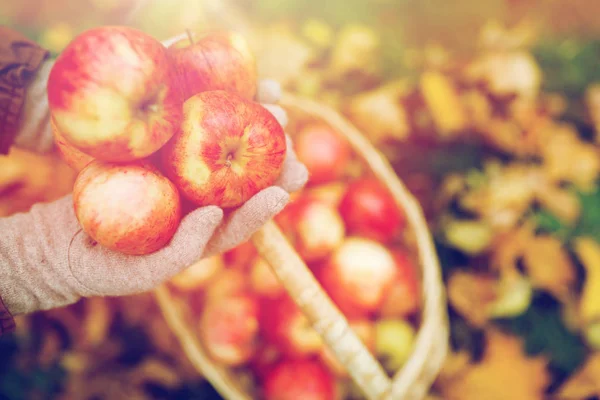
x: 189, y: 35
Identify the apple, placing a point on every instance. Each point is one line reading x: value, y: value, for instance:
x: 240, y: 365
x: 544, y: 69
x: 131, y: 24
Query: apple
x: 323, y: 151
x: 228, y: 149
x: 403, y: 298
x: 229, y: 328
x: 358, y: 275
x: 365, y: 330
x: 284, y: 325
x: 112, y: 94
x: 314, y: 227
x: 265, y: 358
x: 74, y: 158
x: 199, y: 274
x: 241, y: 255
x: 394, y: 340
x: 304, y: 379
x: 130, y: 208
x: 263, y: 280
x: 369, y: 210
x: 216, y: 61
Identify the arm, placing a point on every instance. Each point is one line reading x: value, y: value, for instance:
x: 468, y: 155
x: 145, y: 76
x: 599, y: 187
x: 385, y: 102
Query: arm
x: 20, y: 61
x: 24, y: 115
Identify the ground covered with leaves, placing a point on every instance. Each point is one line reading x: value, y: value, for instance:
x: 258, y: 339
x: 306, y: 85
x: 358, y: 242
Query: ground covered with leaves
x: 496, y: 135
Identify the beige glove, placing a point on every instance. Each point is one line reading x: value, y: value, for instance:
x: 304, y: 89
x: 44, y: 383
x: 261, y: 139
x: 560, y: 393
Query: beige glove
x: 46, y: 261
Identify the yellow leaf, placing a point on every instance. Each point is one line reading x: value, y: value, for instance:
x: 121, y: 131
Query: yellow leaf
x: 318, y: 32
x: 514, y: 295
x: 583, y: 383
x: 444, y: 103
x: 588, y: 250
x: 563, y: 143
x: 356, y: 49
x: 472, y: 237
x: 471, y: 295
x: 505, y: 372
x: 548, y: 265
x: 379, y: 113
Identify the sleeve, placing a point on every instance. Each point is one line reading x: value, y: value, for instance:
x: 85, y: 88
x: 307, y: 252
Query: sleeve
x: 7, y: 323
x: 20, y: 59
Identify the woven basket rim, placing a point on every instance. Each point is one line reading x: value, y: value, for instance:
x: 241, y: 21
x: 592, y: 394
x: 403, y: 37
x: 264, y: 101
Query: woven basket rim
x: 415, y: 378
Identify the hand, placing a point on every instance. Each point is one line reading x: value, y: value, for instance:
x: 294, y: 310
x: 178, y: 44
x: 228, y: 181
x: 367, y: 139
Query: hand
x: 46, y: 261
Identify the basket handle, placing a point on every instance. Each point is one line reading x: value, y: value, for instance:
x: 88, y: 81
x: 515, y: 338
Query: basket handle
x: 431, y: 344
x: 322, y: 313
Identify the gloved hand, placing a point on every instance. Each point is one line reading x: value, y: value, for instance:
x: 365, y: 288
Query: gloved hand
x: 46, y: 261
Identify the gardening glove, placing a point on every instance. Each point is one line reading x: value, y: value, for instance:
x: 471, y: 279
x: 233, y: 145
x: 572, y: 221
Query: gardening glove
x: 47, y: 261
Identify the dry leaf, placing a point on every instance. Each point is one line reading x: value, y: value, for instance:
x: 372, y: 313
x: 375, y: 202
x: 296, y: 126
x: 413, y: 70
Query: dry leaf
x: 97, y: 320
x: 560, y: 202
x: 442, y: 98
x: 588, y: 250
x: 281, y: 55
x: 379, y: 113
x: 505, y: 372
x: 356, y: 49
x: 471, y: 295
x: 505, y: 197
x: 506, y: 73
x: 471, y: 237
x: 510, y: 246
x: 584, y: 383
x: 592, y: 102
x: 562, y: 144
x: 514, y: 294
x: 548, y: 265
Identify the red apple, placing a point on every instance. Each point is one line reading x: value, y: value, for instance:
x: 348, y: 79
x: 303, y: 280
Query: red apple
x: 358, y: 275
x: 299, y: 379
x: 365, y: 330
x: 74, y: 158
x: 229, y: 328
x: 216, y: 61
x: 112, y: 94
x: 199, y: 274
x: 369, y: 210
x: 130, y: 208
x: 283, y: 324
x: 265, y: 358
x: 324, y: 152
x: 403, y: 298
x: 228, y: 149
x: 240, y: 256
x: 314, y: 227
x: 263, y: 280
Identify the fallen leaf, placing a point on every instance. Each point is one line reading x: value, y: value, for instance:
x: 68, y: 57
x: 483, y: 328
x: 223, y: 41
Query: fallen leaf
x: 472, y: 295
x: 548, y: 265
x: 505, y: 372
x: 584, y: 383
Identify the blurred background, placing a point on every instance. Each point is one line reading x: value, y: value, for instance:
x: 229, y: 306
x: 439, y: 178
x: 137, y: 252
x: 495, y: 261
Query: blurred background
x: 489, y: 110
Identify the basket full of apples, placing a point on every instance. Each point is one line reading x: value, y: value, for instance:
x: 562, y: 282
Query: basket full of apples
x: 339, y: 297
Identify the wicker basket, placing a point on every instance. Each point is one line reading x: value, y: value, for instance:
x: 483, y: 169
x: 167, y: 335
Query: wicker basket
x: 415, y: 378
